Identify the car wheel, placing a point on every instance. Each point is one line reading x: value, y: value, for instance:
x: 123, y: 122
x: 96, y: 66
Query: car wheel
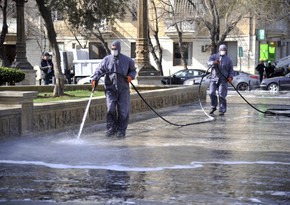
x: 242, y: 86
x: 273, y: 87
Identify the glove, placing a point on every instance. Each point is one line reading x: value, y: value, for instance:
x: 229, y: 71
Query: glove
x: 94, y: 84
x: 216, y: 62
x: 129, y: 79
x: 230, y: 80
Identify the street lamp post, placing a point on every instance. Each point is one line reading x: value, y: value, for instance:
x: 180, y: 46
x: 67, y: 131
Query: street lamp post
x: 142, y: 46
x: 142, y: 51
x: 20, y: 58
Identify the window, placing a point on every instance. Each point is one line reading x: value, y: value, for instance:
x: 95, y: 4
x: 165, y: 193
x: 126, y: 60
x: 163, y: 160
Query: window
x: 272, y: 51
x: 133, y: 50
x: 232, y: 51
x: 60, y: 46
x: 96, y: 51
x: 187, y: 73
x: 75, y: 46
x: 187, y: 46
x: 180, y: 74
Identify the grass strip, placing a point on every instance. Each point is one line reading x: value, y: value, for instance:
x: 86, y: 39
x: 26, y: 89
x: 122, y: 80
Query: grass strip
x: 69, y: 95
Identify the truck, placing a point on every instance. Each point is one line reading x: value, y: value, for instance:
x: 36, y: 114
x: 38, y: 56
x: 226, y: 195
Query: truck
x: 76, y: 64
x: 78, y: 67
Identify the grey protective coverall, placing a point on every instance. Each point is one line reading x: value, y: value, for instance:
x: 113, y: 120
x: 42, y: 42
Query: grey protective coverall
x: 116, y: 89
x: 218, y: 81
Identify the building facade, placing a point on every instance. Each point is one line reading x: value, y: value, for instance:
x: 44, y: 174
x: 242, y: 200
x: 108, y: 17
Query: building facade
x: 247, y: 43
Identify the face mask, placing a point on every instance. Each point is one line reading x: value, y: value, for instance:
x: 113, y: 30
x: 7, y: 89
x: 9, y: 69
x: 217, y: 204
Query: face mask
x: 222, y: 53
x: 114, y: 52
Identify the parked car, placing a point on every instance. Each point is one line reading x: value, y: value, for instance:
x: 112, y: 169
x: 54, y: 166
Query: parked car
x: 276, y: 83
x: 196, y: 80
x: 241, y: 81
x: 182, y: 75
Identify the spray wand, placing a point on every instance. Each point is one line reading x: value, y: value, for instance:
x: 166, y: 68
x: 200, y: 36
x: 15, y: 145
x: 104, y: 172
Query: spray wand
x: 86, y: 113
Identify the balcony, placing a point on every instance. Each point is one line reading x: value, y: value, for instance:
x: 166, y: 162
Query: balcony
x: 187, y: 28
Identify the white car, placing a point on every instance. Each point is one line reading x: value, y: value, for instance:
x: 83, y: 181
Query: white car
x: 88, y: 80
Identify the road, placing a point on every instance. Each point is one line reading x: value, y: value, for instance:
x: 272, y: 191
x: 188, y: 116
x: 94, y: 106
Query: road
x: 240, y: 158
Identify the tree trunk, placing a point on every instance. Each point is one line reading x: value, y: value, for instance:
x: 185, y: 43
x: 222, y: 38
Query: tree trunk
x: 157, y: 60
x: 156, y: 50
x: 181, y: 48
x: 59, y: 77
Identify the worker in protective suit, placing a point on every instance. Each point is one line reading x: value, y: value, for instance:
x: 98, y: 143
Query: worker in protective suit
x: 221, y: 73
x: 119, y: 71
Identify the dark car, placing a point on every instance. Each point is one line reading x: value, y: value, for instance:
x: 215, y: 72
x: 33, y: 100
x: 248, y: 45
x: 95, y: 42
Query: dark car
x: 276, y: 83
x: 241, y: 81
x: 182, y: 75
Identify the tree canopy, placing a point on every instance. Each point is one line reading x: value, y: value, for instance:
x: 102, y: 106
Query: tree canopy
x: 91, y: 17
x: 220, y: 17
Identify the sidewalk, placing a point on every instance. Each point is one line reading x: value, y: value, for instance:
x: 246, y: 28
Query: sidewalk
x: 240, y: 158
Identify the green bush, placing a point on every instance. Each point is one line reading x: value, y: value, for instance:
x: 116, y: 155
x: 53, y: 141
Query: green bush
x: 11, y: 75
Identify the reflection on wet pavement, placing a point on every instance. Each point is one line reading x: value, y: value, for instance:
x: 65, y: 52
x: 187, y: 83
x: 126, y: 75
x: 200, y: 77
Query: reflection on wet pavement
x: 240, y: 158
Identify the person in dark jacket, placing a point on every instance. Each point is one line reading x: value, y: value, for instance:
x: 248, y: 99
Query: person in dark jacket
x: 270, y: 69
x: 119, y: 71
x: 46, y: 66
x: 261, y: 68
x: 221, y: 73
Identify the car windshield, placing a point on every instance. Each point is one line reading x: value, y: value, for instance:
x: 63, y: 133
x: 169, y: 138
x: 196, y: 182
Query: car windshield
x: 187, y: 73
x: 181, y: 73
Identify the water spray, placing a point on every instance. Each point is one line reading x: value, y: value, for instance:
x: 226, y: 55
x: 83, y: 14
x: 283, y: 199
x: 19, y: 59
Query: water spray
x: 85, y: 114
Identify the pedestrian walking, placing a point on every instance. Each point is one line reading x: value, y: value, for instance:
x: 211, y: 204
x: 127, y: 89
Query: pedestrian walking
x: 46, y: 66
x: 261, y: 69
x: 119, y: 71
x: 221, y: 73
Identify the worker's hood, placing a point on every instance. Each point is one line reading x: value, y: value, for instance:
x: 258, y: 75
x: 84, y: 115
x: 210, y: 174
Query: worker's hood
x: 117, y: 44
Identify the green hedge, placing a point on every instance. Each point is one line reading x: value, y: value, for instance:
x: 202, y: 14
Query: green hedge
x: 11, y: 75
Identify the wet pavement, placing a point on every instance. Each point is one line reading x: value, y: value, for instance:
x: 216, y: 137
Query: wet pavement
x: 240, y: 158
